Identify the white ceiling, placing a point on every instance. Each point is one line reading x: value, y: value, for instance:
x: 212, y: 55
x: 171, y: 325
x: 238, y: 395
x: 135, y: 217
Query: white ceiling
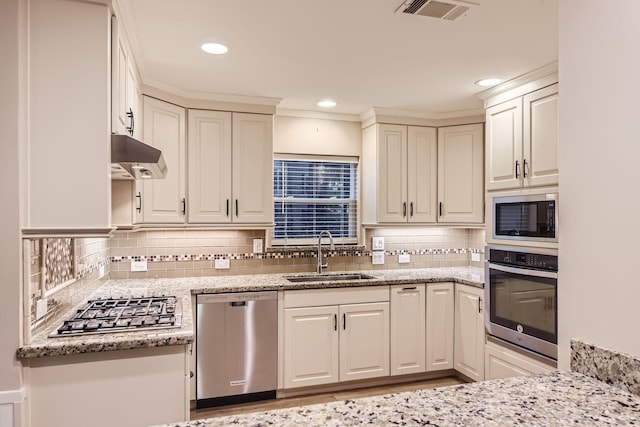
x: 358, y: 52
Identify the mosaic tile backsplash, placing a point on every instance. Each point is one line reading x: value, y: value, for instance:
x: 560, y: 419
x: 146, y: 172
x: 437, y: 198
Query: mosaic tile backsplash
x: 192, y: 253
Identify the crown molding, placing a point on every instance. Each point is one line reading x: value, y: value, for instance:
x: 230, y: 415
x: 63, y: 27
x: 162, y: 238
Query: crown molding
x: 525, y: 83
x: 317, y: 115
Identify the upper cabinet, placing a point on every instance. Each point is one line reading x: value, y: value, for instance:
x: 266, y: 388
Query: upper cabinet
x: 126, y: 117
x: 400, y: 171
x: 460, y: 173
x: 415, y: 174
x: 67, y: 157
x: 522, y: 140
x: 230, y: 168
x: 164, y: 200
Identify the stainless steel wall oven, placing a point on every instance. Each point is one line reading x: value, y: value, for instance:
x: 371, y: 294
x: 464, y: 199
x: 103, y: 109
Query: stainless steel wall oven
x: 521, y: 298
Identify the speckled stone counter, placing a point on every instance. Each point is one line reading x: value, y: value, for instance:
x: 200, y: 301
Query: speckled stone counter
x: 555, y: 399
x: 42, y: 345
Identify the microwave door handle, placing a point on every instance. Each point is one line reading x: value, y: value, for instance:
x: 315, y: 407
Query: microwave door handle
x: 524, y: 271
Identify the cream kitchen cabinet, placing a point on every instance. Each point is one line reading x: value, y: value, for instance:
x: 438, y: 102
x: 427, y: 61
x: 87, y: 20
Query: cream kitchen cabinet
x: 522, y: 141
x: 66, y: 159
x: 399, y: 174
x: 230, y: 168
x: 460, y: 174
x: 163, y: 201
x: 333, y: 335
x: 504, y: 362
x: 469, y: 332
x: 408, y: 339
x: 439, y: 326
x: 125, y: 90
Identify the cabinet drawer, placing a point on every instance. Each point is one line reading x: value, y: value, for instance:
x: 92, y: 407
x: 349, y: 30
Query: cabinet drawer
x: 335, y: 296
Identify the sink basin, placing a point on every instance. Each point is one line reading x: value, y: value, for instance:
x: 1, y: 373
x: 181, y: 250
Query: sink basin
x: 329, y: 277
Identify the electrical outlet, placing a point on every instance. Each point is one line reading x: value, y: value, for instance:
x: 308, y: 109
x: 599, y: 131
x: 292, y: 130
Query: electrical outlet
x: 101, y: 272
x: 377, y: 258
x: 41, y: 308
x: 257, y: 246
x: 475, y: 257
x: 404, y: 258
x: 221, y: 263
x: 377, y: 243
x: 139, y: 265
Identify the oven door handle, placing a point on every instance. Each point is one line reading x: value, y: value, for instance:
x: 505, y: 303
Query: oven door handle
x: 524, y: 271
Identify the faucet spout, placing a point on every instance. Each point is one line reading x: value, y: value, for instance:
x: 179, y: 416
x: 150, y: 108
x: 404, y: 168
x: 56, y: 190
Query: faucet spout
x: 331, y: 247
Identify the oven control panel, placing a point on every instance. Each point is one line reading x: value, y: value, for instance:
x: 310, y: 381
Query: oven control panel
x: 524, y: 259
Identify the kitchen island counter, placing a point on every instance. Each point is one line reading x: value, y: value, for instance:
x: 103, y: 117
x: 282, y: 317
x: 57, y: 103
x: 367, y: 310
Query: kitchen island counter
x: 553, y: 399
x: 43, y: 344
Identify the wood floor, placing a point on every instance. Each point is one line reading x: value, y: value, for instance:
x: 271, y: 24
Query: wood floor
x: 267, y: 405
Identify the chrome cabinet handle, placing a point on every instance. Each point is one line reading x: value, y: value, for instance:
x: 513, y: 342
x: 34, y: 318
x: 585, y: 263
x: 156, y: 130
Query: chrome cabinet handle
x: 479, y: 305
x: 139, y: 207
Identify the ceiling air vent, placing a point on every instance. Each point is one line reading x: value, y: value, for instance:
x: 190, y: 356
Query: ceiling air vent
x: 449, y: 10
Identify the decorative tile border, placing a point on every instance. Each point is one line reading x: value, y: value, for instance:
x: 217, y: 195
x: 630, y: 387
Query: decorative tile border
x: 286, y: 255
x: 617, y: 369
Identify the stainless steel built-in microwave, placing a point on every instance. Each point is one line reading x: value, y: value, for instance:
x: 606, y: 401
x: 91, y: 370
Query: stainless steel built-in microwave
x: 531, y: 217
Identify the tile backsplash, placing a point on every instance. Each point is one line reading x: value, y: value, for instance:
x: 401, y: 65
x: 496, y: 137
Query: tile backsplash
x: 192, y: 253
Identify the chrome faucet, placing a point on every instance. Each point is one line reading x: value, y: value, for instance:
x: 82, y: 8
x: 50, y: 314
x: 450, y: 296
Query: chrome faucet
x: 331, y: 247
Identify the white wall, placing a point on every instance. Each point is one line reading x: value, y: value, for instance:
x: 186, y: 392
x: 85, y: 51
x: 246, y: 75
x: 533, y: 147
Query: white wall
x: 599, y: 68
x: 12, y: 123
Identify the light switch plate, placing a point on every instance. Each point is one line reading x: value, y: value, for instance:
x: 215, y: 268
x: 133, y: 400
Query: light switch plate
x: 377, y: 258
x: 475, y: 257
x: 377, y: 243
x: 257, y: 246
x: 404, y: 258
x: 139, y: 265
x: 221, y: 263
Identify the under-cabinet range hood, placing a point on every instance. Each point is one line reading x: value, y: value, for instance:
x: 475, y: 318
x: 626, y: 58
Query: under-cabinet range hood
x: 133, y: 159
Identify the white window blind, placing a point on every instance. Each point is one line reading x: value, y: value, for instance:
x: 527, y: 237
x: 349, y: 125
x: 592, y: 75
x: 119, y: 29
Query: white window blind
x: 315, y: 195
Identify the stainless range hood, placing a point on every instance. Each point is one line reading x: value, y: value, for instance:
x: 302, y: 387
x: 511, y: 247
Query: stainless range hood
x: 133, y: 159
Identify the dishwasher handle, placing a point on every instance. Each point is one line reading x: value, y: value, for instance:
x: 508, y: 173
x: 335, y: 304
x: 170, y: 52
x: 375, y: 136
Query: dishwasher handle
x: 238, y: 304
x: 233, y: 297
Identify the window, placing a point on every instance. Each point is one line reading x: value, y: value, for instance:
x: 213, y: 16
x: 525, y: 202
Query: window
x: 315, y: 195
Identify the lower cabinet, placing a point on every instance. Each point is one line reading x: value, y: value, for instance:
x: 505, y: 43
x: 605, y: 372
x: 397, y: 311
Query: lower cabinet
x: 439, y: 326
x: 408, y: 339
x: 504, y: 362
x: 469, y: 332
x: 338, y: 342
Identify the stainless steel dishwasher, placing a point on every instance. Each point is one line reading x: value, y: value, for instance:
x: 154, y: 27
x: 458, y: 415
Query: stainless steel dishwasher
x: 236, y: 347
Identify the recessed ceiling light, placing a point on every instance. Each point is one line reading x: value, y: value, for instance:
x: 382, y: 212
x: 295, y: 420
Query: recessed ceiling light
x: 214, y: 48
x: 327, y: 104
x: 489, y: 82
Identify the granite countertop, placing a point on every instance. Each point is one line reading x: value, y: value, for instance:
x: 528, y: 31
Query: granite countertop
x: 553, y: 399
x: 43, y: 345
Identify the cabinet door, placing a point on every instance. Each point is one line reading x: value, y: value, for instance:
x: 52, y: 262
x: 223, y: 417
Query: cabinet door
x: 310, y: 346
x: 209, y: 155
x: 439, y: 326
x: 422, y: 166
x: 502, y: 362
x: 392, y: 173
x: 364, y: 341
x: 469, y: 332
x: 407, y: 329
x: 119, y: 53
x: 460, y: 172
x: 540, y: 141
x: 504, y: 145
x: 252, y: 168
x: 134, y: 120
x: 163, y: 200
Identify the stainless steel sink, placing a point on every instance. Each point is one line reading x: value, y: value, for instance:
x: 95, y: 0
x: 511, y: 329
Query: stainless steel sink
x: 329, y: 277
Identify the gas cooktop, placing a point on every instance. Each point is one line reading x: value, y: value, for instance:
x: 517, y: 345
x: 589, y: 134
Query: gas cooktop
x: 123, y: 314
